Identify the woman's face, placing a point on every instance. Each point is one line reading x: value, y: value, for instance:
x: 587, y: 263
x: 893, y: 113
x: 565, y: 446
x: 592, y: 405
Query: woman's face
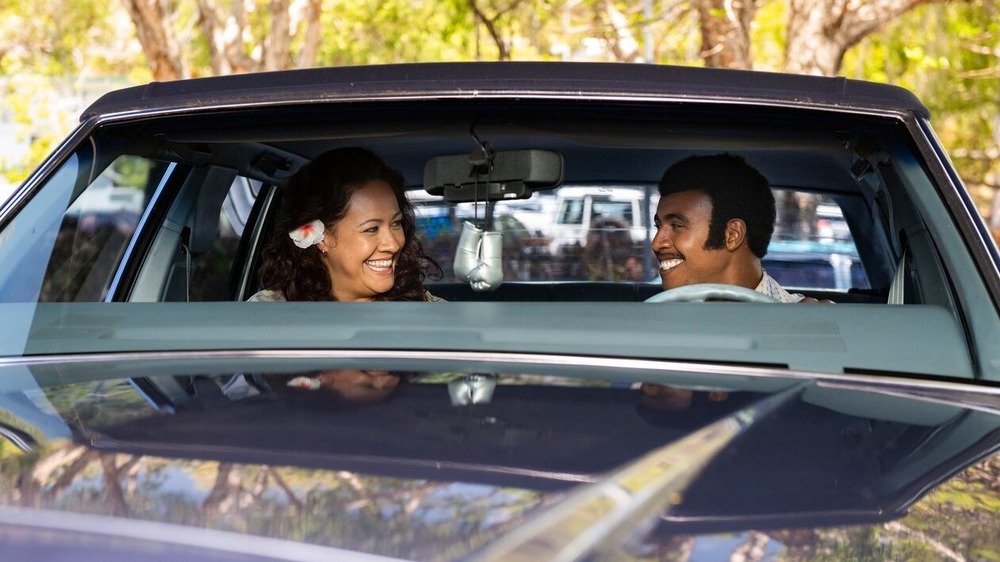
x: 361, y: 251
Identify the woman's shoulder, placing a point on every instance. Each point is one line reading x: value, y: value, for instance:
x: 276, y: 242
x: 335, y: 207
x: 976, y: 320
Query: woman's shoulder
x: 267, y: 295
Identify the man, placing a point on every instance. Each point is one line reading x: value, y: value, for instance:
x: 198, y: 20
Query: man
x: 713, y: 224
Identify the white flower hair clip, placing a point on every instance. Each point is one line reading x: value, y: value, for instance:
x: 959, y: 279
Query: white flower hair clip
x: 308, y: 234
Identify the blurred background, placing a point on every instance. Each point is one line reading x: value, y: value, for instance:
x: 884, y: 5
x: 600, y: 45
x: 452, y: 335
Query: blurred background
x: 56, y: 57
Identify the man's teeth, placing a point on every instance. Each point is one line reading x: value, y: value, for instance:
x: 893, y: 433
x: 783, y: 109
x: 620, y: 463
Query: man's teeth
x: 667, y: 265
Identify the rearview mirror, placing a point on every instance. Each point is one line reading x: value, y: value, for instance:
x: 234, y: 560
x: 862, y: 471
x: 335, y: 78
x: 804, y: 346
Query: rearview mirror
x: 505, y: 174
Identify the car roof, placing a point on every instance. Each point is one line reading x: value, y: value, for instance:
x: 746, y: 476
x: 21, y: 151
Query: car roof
x: 473, y: 80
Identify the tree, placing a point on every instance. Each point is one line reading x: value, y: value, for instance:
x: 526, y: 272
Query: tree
x: 949, y: 54
x: 725, y: 32
x: 45, y: 73
x: 491, y: 20
x: 238, y: 35
x: 953, y: 68
x: 820, y: 31
x: 818, y: 34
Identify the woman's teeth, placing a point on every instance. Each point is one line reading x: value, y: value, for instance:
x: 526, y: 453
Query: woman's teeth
x: 379, y: 265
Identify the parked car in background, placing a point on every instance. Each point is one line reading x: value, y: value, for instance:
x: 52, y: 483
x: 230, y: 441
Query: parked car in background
x: 585, y: 211
x: 830, y: 224
x: 148, y: 413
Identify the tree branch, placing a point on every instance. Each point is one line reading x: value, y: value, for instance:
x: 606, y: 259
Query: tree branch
x: 491, y: 26
x: 112, y: 485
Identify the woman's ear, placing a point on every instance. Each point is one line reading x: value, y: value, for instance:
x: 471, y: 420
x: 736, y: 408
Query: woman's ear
x: 327, y: 243
x: 736, y: 234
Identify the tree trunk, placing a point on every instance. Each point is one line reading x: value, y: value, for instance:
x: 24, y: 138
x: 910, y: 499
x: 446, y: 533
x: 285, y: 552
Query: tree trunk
x: 225, y: 37
x: 821, y: 31
x: 310, y: 45
x: 725, y: 32
x: 152, y: 25
x: 113, y: 487
x: 276, y: 46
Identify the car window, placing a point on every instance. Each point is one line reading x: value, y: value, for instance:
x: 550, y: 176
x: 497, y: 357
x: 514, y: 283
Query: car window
x: 571, y: 212
x: 553, y: 236
x: 200, y: 259
x: 211, y: 272
x: 612, y: 210
x: 812, y: 246
x: 74, y: 258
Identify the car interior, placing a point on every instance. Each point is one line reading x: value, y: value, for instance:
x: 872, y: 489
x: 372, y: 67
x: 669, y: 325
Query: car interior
x: 211, y: 184
x: 211, y: 166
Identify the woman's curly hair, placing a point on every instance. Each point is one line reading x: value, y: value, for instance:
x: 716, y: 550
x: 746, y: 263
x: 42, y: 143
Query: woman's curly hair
x: 322, y: 190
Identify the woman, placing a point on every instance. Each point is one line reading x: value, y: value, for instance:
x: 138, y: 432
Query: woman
x: 345, y: 232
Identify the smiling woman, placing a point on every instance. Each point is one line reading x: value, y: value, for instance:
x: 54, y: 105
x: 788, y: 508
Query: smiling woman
x: 345, y: 233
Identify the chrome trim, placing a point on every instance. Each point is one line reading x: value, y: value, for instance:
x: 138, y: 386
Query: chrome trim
x: 500, y: 95
x: 924, y: 389
x: 139, y: 228
x: 983, y: 399
x: 21, y: 443
x: 962, y: 207
x: 255, y: 236
x: 780, y: 520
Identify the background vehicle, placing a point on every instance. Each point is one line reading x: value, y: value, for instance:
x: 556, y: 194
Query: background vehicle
x: 146, y: 411
x: 584, y: 211
x: 815, y: 265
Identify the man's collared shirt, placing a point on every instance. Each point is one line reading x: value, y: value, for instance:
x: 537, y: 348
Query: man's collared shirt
x: 771, y: 288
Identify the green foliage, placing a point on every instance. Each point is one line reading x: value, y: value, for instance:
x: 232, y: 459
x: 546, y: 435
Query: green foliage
x: 47, y: 37
x: 859, y: 544
x: 963, y: 511
x: 767, y: 36
x: 131, y: 172
x: 948, y: 55
x: 393, y: 31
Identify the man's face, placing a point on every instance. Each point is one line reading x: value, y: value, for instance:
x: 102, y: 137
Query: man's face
x: 682, y: 221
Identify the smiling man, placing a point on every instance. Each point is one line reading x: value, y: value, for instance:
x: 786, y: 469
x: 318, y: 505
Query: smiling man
x: 713, y: 224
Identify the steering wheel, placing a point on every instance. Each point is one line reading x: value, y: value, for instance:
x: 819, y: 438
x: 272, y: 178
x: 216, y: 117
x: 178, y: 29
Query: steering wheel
x: 702, y: 292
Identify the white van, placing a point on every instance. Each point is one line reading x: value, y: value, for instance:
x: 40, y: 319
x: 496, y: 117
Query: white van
x: 580, y: 211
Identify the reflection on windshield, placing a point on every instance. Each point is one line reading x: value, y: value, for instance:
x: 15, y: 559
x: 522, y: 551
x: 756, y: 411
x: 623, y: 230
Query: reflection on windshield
x: 415, y: 473
x: 373, y: 514
x: 427, y: 520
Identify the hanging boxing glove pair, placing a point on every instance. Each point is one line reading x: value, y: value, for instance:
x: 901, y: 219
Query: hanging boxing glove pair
x: 472, y: 389
x: 478, y: 259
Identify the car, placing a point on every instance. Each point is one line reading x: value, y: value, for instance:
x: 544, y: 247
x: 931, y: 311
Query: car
x: 148, y: 412
x: 582, y: 212
x: 813, y: 264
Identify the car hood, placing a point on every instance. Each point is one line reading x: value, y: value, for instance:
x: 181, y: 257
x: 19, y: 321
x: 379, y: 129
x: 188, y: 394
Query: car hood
x: 807, y: 469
